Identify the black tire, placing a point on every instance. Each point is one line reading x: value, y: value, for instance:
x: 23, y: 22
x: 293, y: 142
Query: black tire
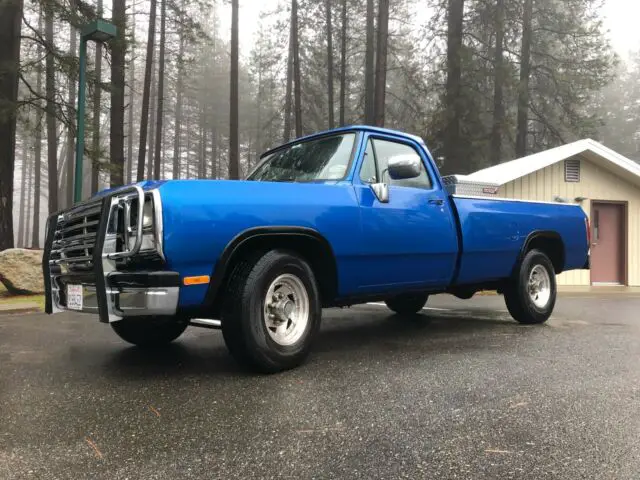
x: 150, y: 332
x: 407, y: 304
x: 243, y: 315
x: 519, y: 301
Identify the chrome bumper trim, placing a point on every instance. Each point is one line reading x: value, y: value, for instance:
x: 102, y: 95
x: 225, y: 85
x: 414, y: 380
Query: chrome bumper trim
x: 127, y: 302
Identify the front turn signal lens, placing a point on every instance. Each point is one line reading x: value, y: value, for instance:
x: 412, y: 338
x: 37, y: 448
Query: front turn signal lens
x: 201, y: 280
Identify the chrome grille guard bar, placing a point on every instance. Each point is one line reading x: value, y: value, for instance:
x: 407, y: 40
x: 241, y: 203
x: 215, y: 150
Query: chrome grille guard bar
x: 103, y: 263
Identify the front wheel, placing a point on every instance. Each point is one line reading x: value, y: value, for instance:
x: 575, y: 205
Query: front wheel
x: 272, y: 311
x: 531, y: 294
x: 407, y: 304
x: 150, y: 332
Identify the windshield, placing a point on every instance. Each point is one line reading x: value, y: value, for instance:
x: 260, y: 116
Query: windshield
x: 325, y: 158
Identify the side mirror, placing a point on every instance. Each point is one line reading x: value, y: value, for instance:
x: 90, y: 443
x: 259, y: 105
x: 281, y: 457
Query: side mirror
x: 381, y: 191
x: 401, y: 167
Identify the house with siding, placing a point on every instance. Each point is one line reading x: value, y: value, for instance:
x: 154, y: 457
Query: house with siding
x: 606, y: 185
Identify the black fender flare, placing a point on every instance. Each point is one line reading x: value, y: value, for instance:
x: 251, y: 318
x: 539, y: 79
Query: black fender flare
x: 220, y: 269
x: 536, y: 234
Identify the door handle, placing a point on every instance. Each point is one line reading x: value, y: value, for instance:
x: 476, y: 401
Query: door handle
x: 436, y: 201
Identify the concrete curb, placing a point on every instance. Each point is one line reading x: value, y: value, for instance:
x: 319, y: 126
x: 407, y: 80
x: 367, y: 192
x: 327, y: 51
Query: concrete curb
x: 19, y: 308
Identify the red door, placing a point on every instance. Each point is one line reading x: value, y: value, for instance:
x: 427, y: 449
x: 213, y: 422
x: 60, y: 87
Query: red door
x: 607, y: 243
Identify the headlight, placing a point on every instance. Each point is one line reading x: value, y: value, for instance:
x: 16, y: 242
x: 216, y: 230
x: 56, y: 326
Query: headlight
x: 147, y: 213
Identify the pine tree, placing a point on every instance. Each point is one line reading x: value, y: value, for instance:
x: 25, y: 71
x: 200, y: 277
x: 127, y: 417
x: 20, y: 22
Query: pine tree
x: 343, y: 63
x: 144, y: 115
x: 116, y: 119
x: 52, y: 137
x: 10, y: 21
x: 453, y: 155
x: 160, y: 93
x: 329, y: 63
x: 381, y: 62
x: 234, y: 147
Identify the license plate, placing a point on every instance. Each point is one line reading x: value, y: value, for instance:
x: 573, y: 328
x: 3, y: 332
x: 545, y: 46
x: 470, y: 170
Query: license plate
x: 74, y: 297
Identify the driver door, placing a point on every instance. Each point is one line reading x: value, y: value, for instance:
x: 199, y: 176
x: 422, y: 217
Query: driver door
x: 411, y: 240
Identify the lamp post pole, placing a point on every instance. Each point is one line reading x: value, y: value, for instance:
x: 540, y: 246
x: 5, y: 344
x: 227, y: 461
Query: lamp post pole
x: 98, y: 31
x: 77, y: 187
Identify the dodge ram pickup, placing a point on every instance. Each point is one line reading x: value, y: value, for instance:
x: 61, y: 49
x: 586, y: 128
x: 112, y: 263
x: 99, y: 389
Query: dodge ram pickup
x: 338, y: 218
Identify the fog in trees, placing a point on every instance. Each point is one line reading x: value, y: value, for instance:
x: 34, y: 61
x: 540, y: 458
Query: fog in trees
x: 174, y: 95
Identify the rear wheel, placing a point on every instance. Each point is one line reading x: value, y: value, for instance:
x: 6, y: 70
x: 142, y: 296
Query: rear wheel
x: 408, y: 304
x: 531, y: 295
x: 272, y: 311
x: 150, y: 332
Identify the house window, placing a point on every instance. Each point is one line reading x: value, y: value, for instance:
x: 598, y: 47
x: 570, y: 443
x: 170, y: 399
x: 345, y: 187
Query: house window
x: 572, y: 170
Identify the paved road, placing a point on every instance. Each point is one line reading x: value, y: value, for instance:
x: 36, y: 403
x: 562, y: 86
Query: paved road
x: 460, y: 394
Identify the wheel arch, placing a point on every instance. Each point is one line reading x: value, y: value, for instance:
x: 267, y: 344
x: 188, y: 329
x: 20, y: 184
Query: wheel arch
x: 306, y: 242
x: 550, y: 243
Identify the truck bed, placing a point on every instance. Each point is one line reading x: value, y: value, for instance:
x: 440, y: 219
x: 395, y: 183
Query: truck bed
x: 494, y: 230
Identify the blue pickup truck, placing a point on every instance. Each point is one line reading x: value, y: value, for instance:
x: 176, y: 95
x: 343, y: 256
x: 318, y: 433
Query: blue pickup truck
x: 334, y: 219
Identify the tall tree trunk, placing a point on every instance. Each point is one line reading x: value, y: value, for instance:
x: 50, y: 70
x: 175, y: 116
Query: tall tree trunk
x: 260, y: 100
x: 202, y: 146
x: 52, y: 137
x: 37, y: 151
x: 234, y: 145
x: 144, y: 115
x: 289, y: 88
x: 214, y: 153
x: 23, y: 192
x: 498, y: 86
x: 369, y: 114
x: 95, y: 119
x: 453, y: 102
x: 343, y: 63
x: 164, y: 150
x: 71, y: 115
x: 10, y: 23
x: 523, y: 86
x: 297, y: 89
x: 178, y: 122
x: 152, y: 119
x: 160, y: 112
x: 381, y: 61
x: 188, y: 150
x: 329, y: 63
x: 30, y: 182
x: 132, y: 79
x: 116, y: 125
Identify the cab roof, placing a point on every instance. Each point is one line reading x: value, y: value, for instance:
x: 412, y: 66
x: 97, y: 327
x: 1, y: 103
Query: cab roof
x: 350, y: 128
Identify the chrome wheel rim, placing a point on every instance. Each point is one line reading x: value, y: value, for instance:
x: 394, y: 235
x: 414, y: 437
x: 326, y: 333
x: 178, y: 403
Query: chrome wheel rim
x: 286, y: 309
x: 539, y: 286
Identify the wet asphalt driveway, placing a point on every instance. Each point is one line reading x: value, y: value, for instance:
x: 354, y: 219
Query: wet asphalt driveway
x: 461, y: 393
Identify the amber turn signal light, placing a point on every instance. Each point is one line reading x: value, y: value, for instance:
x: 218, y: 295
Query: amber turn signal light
x: 196, y: 280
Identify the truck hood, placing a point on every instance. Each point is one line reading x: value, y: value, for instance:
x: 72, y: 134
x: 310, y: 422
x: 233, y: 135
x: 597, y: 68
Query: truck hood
x: 146, y: 185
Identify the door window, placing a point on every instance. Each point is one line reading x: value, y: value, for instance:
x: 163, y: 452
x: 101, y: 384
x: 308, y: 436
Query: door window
x: 376, y: 160
x: 368, y: 172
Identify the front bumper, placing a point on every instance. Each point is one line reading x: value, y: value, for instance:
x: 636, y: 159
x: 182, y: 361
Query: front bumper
x: 127, y: 294
x: 91, y: 245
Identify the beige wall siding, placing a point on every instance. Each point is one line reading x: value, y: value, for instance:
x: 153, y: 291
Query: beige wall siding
x: 596, y: 183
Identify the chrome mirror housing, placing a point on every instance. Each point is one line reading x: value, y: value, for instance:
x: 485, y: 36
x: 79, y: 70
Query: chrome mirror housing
x: 401, y: 167
x: 381, y: 191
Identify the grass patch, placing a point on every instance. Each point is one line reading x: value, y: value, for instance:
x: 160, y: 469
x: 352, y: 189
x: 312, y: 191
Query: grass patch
x: 16, y: 300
